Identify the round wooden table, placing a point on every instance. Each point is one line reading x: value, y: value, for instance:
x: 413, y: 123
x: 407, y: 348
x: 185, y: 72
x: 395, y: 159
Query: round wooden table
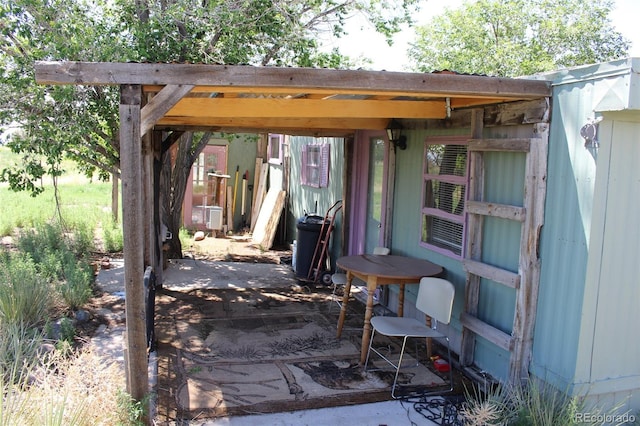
x: 378, y: 270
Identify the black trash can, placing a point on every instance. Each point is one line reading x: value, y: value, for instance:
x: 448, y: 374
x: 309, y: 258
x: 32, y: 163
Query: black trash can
x: 309, y: 228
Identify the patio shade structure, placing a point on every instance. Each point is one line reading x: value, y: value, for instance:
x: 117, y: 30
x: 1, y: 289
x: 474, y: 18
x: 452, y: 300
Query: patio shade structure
x: 161, y: 97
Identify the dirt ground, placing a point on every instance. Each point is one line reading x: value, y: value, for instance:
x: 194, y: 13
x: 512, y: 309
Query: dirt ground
x: 236, y: 249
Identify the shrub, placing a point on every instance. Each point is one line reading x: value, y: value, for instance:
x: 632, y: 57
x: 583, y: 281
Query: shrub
x: 112, y: 237
x: 76, y: 287
x: 82, y: 243
x: 19, y: 350
x: 533, y: 404
x: 61, y: 260
x: 25, y: 297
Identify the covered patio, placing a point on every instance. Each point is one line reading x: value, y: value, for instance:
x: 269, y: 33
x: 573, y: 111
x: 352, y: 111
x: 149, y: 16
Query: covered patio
x: 157, y: 99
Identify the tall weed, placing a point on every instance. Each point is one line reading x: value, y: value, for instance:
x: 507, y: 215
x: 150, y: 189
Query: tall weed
x: 61, y: 260
x: 25, y: 297
x: 112, y: 236
x: 531, y: 404
x: 77, y: 390
x: 75, y: 289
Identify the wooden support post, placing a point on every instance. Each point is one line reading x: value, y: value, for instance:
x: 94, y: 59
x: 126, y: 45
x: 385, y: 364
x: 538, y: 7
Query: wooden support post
x: 133, y: 233
x: 474, y: 238
x: 148, y: 200
x: 529, y: 263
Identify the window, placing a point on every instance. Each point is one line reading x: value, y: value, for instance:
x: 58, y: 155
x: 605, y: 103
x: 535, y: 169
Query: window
x: 444, y: 187
x: 274, y: 149
x: 315, y: 165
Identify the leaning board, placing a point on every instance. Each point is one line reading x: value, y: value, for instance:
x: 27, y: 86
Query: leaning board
x: 268, y: 218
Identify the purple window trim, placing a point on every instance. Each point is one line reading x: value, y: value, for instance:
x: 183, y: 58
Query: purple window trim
x: 324, y: 151
x: 445, y: 140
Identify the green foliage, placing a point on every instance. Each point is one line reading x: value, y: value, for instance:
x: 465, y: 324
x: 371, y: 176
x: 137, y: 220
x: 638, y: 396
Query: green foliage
x: 112, y: 236
x: 130, y: 412
x: 75, y: 289
x: 19, y: 351
x: 518, y: 37
x: 533, y: 404
x: 60, y: 260
x: 25, y: 297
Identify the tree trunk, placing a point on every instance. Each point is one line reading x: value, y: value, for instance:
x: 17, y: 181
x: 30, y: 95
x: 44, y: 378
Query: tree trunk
x: 176, y: 167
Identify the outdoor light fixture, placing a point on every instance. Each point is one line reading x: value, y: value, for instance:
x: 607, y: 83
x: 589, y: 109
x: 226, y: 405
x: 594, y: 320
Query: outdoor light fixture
x: 394, y: 134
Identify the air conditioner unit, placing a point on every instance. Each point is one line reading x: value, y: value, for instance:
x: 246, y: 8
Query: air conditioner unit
x: 214, y: 221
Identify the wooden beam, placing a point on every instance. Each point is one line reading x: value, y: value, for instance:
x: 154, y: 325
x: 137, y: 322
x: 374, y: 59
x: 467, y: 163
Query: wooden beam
x: 160, y: 104
x: 500, y: 145
x: 474, y: 231
x: 284, y: 123
x: 457, y: 100
x: 499, y: 275
x: 495, y: 210
x: 492, y: 334
x: 133, y: 230
x: 529, y: 262
x: 108, y: 73
x: 306, y: 108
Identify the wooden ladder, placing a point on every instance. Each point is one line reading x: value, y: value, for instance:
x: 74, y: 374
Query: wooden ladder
x: 525, y: 281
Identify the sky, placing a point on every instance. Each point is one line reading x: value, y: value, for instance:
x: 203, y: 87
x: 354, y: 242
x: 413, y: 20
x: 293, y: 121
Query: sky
x: 364, y: 41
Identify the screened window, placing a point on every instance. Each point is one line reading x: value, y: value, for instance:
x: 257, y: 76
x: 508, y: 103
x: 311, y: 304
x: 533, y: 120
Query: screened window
x: 444, y: 187
x: 315, y: 165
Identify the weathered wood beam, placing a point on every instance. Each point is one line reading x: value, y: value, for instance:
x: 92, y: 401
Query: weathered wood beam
x: 535, y: 191
x: 502, y: 211
x: 457, y: 100
x: 475, y: 228
x: 499, y: 275
x: 96, y: 73
x: 133, y: 230
x: 497, y: 145
x: 305, y: 108
x: 492, y: 334
x: 160, y: 104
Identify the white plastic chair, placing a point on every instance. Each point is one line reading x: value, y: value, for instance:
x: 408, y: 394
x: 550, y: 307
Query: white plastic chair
x: 435, y: 299
x: 340, y: 278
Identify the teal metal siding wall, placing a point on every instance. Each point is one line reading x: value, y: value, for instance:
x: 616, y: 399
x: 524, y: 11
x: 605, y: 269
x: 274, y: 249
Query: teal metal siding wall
x: 568, y: 225
x: 304, y: 199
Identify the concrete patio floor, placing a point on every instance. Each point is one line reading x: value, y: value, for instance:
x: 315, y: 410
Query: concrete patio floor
x: 189, y: 274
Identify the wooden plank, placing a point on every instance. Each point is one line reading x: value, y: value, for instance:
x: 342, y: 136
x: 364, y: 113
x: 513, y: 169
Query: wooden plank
x: 260, y: 194
x: 500, y: 145
x: 229, y: 208
x: 529, y: 262
x: 256, y: 182
x: 495, y: 210
x: 492, y: 334
x: 473, y: 250
x: 374, y: 82
x: 268, y: 219
x: 306, y: 108
x: 282, y: 125
x: 493, y: 273
x: 133, y: 230
x: 161, y: 103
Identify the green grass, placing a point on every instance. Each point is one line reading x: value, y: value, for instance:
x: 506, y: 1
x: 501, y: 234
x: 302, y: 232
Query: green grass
x: 89, y: 203
x: 82, y: 202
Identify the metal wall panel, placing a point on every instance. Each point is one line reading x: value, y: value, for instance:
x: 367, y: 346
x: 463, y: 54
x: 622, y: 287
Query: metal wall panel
x: 590, y: 242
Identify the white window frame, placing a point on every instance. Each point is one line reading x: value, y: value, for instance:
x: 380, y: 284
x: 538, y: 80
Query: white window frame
x: 452, y: 245
x: 314, y: 169
x: 275, y: 149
